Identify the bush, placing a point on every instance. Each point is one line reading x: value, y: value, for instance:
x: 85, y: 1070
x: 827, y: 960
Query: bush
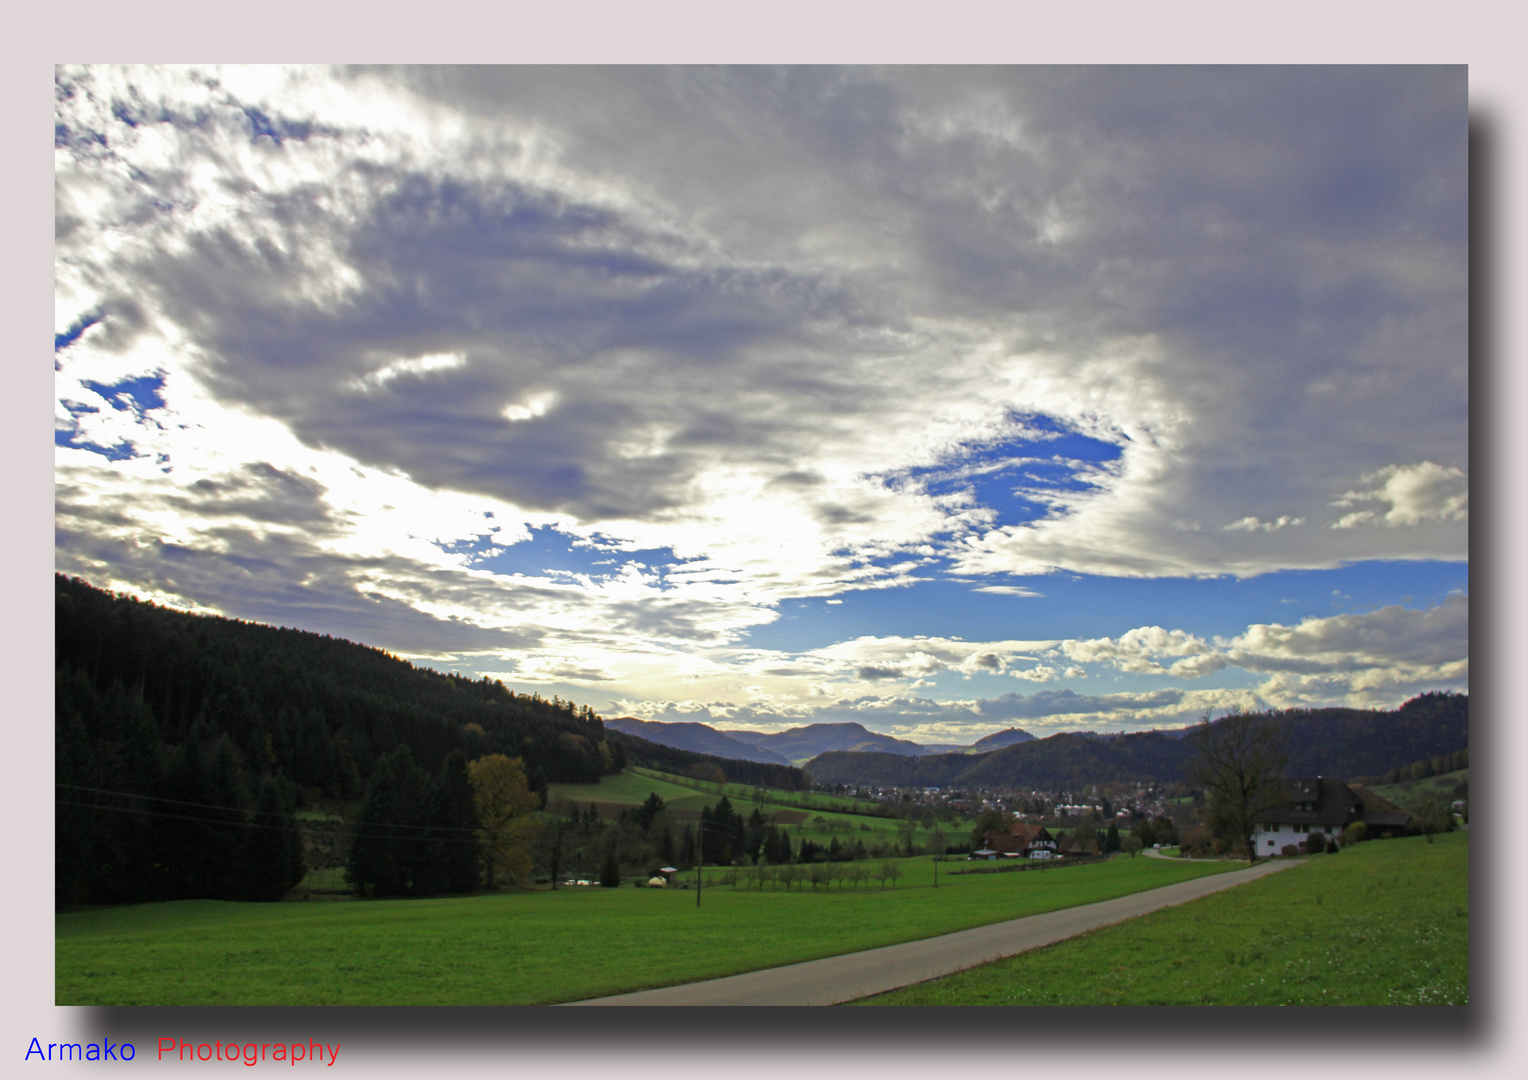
x: 610, y: 876
x: 1355, y: 833
x: 1315, y: 843
x: 1197, y: 842
x: 1289, y: 850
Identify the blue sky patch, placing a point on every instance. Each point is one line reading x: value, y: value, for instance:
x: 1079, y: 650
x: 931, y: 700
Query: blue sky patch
x: 1013, y: 477
x: 143, y: 393
x: 550, y: 551
x: 1086, y: 606
x: 137, y: 395
x: 76, y: 330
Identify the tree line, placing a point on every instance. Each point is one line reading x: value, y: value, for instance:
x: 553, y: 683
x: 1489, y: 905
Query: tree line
x: 187, y: 745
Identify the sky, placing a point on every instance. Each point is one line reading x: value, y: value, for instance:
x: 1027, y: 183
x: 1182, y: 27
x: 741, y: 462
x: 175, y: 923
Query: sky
x: 939, y: 399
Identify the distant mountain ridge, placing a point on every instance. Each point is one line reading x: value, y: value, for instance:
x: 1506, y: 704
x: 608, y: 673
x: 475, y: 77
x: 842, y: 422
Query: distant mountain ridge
x: 1319, y: 742
x: 999, y: 739
x: 805, y: 743
x: 794, y: 744
x: 695, y: 737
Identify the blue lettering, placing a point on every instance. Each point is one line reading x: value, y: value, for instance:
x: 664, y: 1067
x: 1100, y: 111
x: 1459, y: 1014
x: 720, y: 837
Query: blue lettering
x: 35, y: 1048
x: 127, y: 1051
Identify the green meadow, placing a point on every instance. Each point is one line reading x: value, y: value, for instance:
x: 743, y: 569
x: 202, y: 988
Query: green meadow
x: 633, y: 784
x: 1381, y: 923
x: 1408, y: 793
x: 841, y: 816
x: 537, y: 947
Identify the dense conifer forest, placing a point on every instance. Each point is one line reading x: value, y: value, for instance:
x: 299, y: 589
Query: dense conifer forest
x: 185, y: 743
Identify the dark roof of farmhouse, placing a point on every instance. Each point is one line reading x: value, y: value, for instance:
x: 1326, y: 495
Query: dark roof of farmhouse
x: 1318, y: 800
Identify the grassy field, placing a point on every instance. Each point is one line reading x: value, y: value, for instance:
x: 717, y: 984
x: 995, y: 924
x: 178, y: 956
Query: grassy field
x: 533, y: 947
x: 1382, y: 923
x: 632, y: 786
x: 812, y: 800
x: 1409, y: 793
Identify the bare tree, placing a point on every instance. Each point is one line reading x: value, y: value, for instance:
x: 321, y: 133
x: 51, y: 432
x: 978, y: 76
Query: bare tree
x: 1431, y: 816
x: 1240, y: 761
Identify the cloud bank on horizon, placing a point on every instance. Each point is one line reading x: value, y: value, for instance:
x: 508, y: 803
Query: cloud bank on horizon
x: 938, y: 399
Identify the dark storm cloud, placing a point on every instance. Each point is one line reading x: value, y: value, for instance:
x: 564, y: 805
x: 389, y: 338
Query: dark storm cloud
x: 261, y: 492
x: 281, y: 580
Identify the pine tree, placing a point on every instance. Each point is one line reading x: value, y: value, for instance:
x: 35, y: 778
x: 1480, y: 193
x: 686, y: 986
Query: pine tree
x: 389, y: 842
x: 203, y: 849
x: 457, y: 865
x: 276, y: 860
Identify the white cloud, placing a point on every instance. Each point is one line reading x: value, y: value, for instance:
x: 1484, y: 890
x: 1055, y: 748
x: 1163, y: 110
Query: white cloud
x: 419, y: 365
x: 1377, y: 657
x: 1139, y: 651
x: 1392, y: 636
x: 1251, y: 523
x: 1416, y: 493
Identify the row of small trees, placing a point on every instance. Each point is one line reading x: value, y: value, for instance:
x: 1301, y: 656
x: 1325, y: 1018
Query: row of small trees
x: 819, y: 875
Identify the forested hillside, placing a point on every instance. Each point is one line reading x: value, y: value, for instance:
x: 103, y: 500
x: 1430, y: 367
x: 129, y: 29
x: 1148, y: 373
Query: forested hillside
x: 185, y: 742
x: 708, y: 767
x: 1319, y: 742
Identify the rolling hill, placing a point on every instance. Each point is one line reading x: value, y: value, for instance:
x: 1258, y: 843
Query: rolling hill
x: 1319, y: 742
x: 795, y: 745
x: 699, y: 738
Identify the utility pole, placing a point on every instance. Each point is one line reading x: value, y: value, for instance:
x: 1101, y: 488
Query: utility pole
x: 700, y: 847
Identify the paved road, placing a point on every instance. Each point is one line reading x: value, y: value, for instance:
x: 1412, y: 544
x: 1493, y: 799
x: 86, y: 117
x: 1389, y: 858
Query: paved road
x: 837, y: 979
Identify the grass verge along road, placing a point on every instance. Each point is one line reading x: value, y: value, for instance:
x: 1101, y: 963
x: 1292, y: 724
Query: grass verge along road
x: 1381, y: 923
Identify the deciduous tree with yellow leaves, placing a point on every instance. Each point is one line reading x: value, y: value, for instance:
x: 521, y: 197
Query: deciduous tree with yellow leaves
x: 504, y: 802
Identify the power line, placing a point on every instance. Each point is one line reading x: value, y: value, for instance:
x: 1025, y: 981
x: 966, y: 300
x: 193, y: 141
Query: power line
x: 242, y: 810
x: 355, y: 828
x: 177, y: 802
x: 257, y: 825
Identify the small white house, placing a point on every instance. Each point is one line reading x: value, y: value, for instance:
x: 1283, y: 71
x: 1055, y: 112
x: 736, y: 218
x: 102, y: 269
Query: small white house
x: 1319, y: 805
